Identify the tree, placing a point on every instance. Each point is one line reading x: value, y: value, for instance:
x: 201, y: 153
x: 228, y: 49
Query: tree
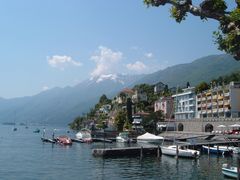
x: 104, y: 100
x: 129, y: 110
x: 228, y: 34
x: 120, y: 120
x: 78, y: 123
x: 201, y: 87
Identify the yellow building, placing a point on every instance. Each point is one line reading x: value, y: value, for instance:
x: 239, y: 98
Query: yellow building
x: 221, y: 101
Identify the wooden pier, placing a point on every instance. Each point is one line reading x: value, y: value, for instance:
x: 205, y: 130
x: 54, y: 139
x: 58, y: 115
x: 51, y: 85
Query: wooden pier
x: 128, y: 151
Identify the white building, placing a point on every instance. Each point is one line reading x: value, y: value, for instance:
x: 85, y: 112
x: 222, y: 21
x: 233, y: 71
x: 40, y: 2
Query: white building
x: 185, y: 104
x: 220, y: 101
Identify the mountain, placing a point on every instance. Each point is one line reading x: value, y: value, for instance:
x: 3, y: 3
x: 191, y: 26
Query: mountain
x: 203, y: 69
x: 62, y: 105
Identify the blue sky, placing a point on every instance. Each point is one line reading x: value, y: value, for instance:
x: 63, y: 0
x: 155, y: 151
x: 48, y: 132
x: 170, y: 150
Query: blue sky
x: 46, y: 44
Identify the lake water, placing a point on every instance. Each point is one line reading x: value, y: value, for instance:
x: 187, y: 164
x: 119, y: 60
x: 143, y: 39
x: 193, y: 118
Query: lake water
x: 23, y: 156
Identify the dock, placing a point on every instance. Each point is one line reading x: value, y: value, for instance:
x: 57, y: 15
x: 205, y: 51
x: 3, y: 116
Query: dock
x: 102, y: 140
x: 127, y: 151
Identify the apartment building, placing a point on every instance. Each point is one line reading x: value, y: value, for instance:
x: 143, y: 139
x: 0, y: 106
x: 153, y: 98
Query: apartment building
x: 220, y: 101
x: 185, y: 104
x: 164, y: 104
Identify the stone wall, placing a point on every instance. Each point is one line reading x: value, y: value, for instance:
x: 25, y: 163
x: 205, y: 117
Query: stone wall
x: 205, y: 125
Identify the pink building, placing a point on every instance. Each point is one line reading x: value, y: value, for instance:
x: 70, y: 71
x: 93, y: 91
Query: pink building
x: 165, y: 104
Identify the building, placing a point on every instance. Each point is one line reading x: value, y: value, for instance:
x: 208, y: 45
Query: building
x: 185, y: 104
x: 164, y: 104
x: 139, y: 96
x: 159, y: 87
x: 123, y: 95
x: 220, y: 101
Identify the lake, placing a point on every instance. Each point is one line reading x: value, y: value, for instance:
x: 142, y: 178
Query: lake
x: 23, y: 156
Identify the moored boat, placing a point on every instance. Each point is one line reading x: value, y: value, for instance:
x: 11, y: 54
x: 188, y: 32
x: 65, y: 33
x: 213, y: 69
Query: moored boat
x: 84, y: 135
x: 229, y: 171
x: 64, y: 140
x: 182, y: 151
x: 148, y: 137
x: 123, y: 137
x: 224, y: 150
x: 36, y: 130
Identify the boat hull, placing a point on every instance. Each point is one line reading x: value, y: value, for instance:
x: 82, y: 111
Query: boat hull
x: 230, y: 172
x: 214, y: 150
x: 64, y: 140
x: 171, y: 151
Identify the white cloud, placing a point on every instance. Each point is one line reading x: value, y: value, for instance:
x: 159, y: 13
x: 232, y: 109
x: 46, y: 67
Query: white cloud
x: 61, y: 62
x: 148, y: 55
x: 137, y: 66
x: 106, y: 61
x: 45, y: 88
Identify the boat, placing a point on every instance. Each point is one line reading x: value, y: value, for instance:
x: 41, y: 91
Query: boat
x: 48, y: 140
x: 182, y: 151
x: 123, y: 137
x: 229, y: 171
x: 36, y: 131
x: 236, y: 150
x: 148, y: 137
x: 224, y: 150
x: 64, y: 140
x: 84, y: 135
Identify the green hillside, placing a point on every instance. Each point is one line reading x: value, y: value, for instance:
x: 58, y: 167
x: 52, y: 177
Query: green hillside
x: 203, y: 69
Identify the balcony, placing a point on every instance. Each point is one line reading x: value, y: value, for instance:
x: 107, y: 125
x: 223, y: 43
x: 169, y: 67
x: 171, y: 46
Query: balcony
x: 208, y: 94
x: 226, y: 109
x: 220, y: 97
x: 215, y: 97
x: 227, y: 102
x: 220, y: 102
x: 214, y: 110
x: 209, y: 111
x: 226, y: 94
x: 209, y: 97
x: 220, y: 110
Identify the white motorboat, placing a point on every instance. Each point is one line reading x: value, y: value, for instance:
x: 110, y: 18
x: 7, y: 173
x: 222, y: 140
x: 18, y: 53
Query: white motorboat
x: 236, y: 150
x: 84, y: 135
x: 182, y: 151
x: 148, y: 137
x: 123, y: 137
x: 229, y: 171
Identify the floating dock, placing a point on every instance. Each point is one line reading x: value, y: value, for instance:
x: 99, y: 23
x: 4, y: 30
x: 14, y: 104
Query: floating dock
x: 127, y: 151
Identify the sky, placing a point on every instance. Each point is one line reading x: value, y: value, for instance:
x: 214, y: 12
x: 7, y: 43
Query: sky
x: 58, y: 43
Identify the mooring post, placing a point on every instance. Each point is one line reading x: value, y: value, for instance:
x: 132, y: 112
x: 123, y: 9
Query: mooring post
x: 208, y: 149
x: 238, y: 167
x: 159, y: 152
x: 177, y: 151
x: 218, y: 149
x: 141, y: 153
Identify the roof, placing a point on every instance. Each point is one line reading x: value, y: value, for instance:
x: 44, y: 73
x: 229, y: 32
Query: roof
x: 128, y: 91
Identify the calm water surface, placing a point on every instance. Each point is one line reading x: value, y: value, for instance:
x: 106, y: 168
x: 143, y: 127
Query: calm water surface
x: 23, y: 156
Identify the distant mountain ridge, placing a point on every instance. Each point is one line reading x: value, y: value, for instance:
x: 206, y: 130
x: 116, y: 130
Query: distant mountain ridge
x: 203, y: 69
x: 62, y: 105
